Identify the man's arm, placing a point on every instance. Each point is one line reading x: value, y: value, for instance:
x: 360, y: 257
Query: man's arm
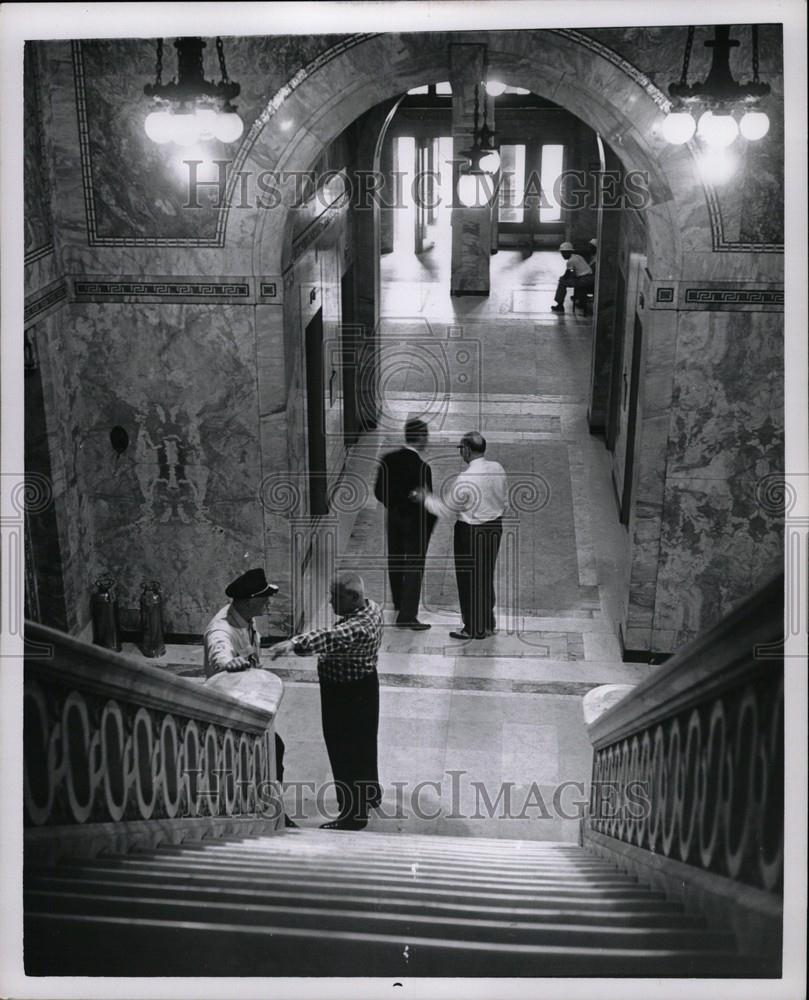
x: 221, y: 655
x: 318, y: 641
x: 381, y: 487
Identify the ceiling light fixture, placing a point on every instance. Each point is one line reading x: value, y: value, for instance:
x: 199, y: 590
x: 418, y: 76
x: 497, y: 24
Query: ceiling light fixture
x: 190, y: 107
x: 719, y: 98
x: 483, y: 160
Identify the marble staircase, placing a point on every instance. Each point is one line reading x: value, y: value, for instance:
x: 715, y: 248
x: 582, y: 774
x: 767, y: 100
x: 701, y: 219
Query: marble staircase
x: 316, y: 903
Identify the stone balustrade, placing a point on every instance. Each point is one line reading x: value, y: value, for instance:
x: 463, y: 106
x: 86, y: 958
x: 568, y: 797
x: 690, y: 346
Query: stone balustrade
x: 688, y: 769
x: 117, y: 747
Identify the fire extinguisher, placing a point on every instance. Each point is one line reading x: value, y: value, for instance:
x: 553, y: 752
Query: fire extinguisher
x: 104, y: 611
x: 151, y: 620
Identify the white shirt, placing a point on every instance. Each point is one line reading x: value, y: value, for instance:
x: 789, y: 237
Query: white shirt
x: 477, y: 495
x: 579, y: 265
x: 229, y: 635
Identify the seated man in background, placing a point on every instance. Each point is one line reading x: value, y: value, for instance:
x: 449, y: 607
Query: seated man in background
x: 578, y: 276
x: 232, y: 642
x: 347, y: 654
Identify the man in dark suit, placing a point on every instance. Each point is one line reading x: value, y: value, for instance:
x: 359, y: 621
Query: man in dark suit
x: 409, y: 525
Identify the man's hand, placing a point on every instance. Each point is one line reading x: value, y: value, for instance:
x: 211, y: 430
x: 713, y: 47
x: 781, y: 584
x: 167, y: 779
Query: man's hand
x: 417, y: 495
x: 239, y: 663
x: 282, y: 649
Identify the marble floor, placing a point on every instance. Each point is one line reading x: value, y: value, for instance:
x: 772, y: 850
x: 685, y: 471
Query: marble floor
x: 484, y: 737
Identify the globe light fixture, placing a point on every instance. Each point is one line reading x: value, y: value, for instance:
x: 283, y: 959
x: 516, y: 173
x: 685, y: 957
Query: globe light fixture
x: 158, y: 126
x: 189, y: 107
x: 483, y: 160
x: 678, y: 128
x: 490, y: 162
x: 494, y: 88
x: 475, y: 189
x: 717, y: 97
x: 718, y: 131
x: 184, y: 128
x: 754, y: 125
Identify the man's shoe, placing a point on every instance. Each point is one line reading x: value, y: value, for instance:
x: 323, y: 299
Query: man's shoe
x: 290, y: 824
x: 461, y: 634
x: 414, y: 624
x: 345, y: 824
x: 557, y: 309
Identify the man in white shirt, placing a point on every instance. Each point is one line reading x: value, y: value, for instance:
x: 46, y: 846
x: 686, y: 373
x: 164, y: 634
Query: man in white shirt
x: 477, y: 499
x: 578, y: 276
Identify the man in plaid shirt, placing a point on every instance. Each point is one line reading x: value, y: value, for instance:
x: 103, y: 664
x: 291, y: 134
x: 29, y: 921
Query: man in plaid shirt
x: 349, y: 696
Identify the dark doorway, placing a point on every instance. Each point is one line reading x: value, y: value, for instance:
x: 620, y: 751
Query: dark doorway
x: 631, y: 429
x: 616, y: 388
x: 316, y: 413
x: 349, y: 348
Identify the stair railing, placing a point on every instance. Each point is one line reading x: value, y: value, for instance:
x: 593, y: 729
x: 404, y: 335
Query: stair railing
x: 688, y: 767
x: 122, y: 754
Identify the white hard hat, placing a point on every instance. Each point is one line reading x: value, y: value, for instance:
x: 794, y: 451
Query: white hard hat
x: 566, y: 246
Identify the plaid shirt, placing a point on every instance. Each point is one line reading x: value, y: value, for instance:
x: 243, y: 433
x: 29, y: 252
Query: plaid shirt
x: 348, y: 650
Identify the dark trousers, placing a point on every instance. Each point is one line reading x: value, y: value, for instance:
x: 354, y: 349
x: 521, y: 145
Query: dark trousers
x: 476, y: 547
x: 581, y: 286
x: 408, y: 538
x: 350, y: 715
x: 279, y: 758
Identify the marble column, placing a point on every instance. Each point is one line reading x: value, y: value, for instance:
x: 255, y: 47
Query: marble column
x: 386, y: 210
x: 471, y: 227
x: 367, y: 249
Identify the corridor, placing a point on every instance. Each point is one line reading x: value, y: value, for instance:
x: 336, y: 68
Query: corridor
x: 506, y: 708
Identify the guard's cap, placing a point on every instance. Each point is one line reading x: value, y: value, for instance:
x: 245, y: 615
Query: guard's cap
x: 566, y: 246
x: 253, y: 583
x: 594, y: 243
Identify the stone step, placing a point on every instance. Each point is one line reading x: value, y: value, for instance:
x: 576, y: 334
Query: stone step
x: 128, y: 945
x: 644, y: 915
x: 156, y: 905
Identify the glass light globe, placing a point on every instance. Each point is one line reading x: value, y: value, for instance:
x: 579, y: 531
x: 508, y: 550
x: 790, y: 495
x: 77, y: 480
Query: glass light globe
x: 678, y: 128
x: 473, y: 190
x: 494, y: 88
x: 206, y: 122
x: 718, y: 131
x: 158, y: 126
x: 185, y: 129
x: 754, y: 125
x: 229, y: 127
x: 490, y: 162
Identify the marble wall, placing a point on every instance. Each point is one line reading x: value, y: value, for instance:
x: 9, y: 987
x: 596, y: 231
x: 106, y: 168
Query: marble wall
x: 60, y: 536
x: 181, y: 503
x: 726, y: 435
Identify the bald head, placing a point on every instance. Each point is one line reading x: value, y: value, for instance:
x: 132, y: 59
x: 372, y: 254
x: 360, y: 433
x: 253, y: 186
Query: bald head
x: 347, y: 592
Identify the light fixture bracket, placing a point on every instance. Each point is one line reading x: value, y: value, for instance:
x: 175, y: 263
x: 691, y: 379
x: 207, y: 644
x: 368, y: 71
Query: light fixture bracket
x: 190, y: 88
x: 719, y: 90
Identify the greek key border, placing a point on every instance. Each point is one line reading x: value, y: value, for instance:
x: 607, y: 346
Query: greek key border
x: 133, y: 288
x: 41, y: 302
